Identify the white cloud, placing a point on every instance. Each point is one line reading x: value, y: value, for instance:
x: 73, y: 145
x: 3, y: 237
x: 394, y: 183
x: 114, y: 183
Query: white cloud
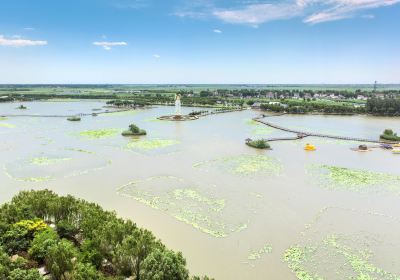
x: 255, y: 13
x: 29, y: 28
x: 368, y: 16
x: 108, y: 45
x: 217, y: 31
x: 341, y: 9
x: 260, y: 13
x: 18, y: 42
x: 156, y: 56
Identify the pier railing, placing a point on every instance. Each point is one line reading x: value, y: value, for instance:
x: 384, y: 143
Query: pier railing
x: 302, y: 134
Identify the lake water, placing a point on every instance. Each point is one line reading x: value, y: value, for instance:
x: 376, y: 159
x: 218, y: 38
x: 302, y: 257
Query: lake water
x: 234, y: 212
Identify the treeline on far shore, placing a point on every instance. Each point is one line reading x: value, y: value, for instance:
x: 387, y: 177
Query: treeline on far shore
x: 374, y: 106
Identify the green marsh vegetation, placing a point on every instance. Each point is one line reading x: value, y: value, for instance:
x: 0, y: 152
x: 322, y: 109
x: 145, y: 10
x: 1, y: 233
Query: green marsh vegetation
x: 75, y: 239
x: 340, y: 178
x: 99, y: 133
x: 389, y: 135
x: 244, y: 165
x: 330, y: 249
x: 134, y: 130
x: 54, y: 165
x: 189, y: 204
x: 6, y: 125
x: 151, y: 144
x: 46, y: 161
x: 74, y: 119
x: 22, y: 107
x: 258, y: 254
x: 259, y: 144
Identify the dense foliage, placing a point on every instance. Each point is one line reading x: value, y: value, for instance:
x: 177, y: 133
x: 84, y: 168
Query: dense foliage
x: 74, y: 239
x: 384, y: 107
x: 134, y: 130
x: 309, y: 106
x: 259, y: 144
x: 389, y: 135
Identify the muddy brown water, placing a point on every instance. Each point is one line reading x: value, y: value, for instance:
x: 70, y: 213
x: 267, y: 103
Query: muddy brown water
x: 280, y: 207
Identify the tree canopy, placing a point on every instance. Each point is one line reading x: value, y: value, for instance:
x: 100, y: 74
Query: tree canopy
x: 75, y: 239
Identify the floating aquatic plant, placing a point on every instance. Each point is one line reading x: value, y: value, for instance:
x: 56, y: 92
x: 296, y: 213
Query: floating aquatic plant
x: 185, y: 203
x: 256, y: 255
x: 44, y: 161
x: 99, y: 133
x: 151, y: 144
x: 7, y: 125
x: 80, y: 151
x: 296, y: 257
x: 331, y: 249
x: 245, y: 165
x: 46, y: 167
x: 345, y: 261
x: 334, y: 177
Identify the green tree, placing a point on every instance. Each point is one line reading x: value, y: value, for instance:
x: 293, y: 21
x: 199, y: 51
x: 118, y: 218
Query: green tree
x: 19, y: 236
x: 164, y: 265
x: 5, y: 264
x: 134, y: 128
x: 130, y: 254
x: 41, y: 244
x: 21, y: 274
x: 84, y: 271
x: 60, y: 259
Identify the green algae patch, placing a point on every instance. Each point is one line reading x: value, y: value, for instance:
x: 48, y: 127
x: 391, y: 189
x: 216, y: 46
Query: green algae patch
x: 256, y: 255
x: 151, y: 144
x: 331, y: 249
x: 45, y: 161
x: 99, y: 133
x: 187, y: 203
x: 351, y: 263
x: 245, y: 165
x: 51, y: 166
x: 297, y: 257
x: 7, y: 125
x: 340, y: 178
x: 3, y: 118
x: 80, y: 151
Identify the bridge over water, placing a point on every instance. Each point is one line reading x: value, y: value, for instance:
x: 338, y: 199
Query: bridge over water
x: 302, y: 134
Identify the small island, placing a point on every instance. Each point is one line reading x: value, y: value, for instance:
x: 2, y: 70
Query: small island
x: 134, y: 130
x: 74, y: 119
x: 389, y: 135
x: 258, y: 144
x: 22, y: 107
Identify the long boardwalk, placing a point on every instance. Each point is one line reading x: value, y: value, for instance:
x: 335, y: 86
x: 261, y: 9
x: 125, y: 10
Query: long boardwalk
x: 302, y: 134
x: 64, y: 116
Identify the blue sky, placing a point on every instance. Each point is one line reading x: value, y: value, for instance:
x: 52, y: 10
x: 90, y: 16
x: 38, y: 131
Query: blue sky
x: 199, y: 41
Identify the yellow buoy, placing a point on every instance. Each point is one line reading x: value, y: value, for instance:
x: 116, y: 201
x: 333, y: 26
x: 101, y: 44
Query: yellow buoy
x: 309, y: 147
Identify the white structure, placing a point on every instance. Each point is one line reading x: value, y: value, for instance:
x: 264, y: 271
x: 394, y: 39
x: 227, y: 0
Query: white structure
x: 178, y: 105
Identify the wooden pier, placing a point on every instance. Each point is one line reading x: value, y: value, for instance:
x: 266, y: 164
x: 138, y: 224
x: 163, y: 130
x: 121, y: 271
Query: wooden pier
x: 303, y: 134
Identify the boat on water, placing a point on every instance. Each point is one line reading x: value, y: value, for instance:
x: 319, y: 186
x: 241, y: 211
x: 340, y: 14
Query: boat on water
x: 309, y: 147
